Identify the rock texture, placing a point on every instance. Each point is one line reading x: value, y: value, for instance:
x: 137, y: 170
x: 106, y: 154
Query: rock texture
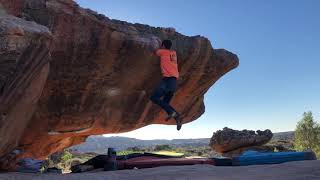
x: 101, y: 74
x: 227, y: 140
x: 24, y: 67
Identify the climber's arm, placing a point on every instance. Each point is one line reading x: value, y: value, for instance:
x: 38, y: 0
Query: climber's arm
x: 158, y: 52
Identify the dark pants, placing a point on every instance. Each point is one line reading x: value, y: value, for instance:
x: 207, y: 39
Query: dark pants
x: 165, y: 90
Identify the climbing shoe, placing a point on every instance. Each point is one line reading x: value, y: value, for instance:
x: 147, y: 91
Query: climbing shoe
x: 179, y: 123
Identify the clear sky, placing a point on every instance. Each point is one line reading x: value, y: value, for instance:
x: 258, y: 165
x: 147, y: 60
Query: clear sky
x: 278, y: 43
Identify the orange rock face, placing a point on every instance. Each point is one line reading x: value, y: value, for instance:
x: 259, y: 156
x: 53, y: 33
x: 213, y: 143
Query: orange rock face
x: 24, y: 68
x: 102, y: 73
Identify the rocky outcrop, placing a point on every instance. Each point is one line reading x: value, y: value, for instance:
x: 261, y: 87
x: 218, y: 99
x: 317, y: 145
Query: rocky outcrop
x: 24, y: 67
x: 229, y: 141
x: 101, y: 75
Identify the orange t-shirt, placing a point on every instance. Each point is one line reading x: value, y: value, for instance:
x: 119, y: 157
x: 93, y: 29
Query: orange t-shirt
x: 168, y: 63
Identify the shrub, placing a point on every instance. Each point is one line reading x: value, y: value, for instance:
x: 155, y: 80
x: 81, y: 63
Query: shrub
x: 307, y: 134
x: 66, y: 155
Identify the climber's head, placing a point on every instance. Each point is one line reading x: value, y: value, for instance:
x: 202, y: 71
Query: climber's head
x: 167, y: 44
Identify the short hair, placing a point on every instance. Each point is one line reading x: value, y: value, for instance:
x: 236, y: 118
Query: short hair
x: 167, y: 44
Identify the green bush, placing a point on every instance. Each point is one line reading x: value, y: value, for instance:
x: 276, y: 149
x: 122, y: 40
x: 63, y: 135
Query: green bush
x: 66, y: 155
x: 307, y: 134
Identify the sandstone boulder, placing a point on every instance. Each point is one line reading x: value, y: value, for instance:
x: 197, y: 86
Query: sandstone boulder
x: 102, y: 73
x: 226, y: 140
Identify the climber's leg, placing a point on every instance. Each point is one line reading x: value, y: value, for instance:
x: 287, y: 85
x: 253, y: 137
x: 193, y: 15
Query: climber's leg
x: 171, y: 86
x: 159, y: 92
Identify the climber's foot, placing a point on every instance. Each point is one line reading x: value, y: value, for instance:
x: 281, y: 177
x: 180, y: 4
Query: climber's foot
x: 179, y: 123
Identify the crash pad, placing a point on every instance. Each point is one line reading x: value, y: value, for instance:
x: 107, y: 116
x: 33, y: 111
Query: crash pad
x: 258, y: 158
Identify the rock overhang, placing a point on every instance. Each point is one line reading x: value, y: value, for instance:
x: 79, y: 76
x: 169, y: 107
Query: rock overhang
x: 102, y: 72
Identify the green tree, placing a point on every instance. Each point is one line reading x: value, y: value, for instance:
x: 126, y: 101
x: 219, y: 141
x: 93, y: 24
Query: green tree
x: 307, y: 134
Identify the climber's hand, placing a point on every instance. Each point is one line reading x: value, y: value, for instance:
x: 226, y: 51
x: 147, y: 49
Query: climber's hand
x: 155, y: 44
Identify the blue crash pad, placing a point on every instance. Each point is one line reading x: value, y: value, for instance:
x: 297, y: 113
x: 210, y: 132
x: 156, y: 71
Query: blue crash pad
x: 258, y: 158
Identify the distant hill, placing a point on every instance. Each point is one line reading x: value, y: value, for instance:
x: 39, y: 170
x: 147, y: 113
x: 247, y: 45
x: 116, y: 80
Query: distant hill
x: 284, y: 136
x: 100, y: 144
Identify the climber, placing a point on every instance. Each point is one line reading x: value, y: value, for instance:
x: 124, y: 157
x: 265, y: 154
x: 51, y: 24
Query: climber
x: 168, y: 84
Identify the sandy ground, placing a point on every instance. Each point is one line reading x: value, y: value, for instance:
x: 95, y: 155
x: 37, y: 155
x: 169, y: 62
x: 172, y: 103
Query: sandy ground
x: 304, y: 170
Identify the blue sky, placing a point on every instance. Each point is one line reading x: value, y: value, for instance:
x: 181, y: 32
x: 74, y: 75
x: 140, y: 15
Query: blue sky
x: 278, y: 43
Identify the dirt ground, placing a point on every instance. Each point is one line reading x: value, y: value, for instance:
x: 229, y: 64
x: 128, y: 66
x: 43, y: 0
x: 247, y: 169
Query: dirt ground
x: 304, y: 170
